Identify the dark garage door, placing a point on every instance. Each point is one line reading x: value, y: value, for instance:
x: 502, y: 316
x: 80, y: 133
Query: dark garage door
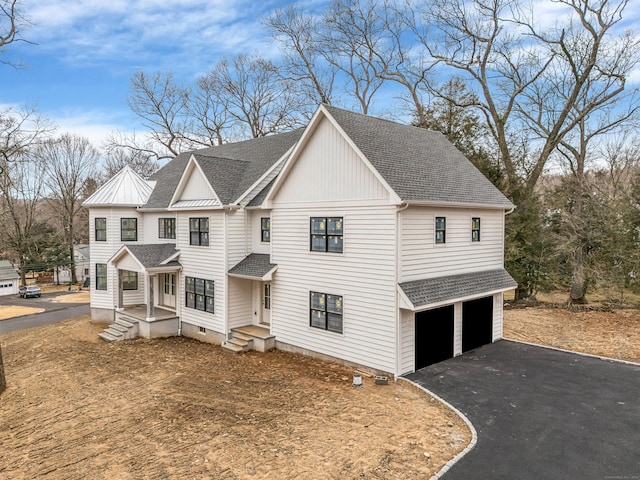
x: 434, y: 336
x: 477, y: 323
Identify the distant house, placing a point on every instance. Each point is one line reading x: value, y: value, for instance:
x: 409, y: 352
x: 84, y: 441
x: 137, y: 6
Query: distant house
x: 9, y: 279
x: 81, y: 255
x: 355, y: 238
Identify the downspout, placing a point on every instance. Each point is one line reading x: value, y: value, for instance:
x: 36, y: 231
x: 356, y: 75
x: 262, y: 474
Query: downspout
x: 400, y: 208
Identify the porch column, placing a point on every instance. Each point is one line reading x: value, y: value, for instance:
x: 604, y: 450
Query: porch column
x: 120, y: 304
x: 150, y: 302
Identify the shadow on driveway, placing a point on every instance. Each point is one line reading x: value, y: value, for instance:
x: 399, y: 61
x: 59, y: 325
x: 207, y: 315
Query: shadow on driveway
x: 542, y: 414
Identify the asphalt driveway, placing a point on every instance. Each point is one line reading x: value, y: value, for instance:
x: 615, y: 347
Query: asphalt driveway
x: 53, y: 311
x: 542, y: 414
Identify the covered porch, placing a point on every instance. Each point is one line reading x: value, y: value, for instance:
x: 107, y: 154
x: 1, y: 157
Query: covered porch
x: 154, y: 309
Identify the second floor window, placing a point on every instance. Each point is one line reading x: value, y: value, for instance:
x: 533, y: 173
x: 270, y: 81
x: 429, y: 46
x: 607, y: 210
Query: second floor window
x: 265, y: 228
x: 327, y: 234
x: 101, y: 229
x: 475, y: 229
x: 199, y: 231
x: 166, y: 228
x: 129, y: 229
x: 441, y: 229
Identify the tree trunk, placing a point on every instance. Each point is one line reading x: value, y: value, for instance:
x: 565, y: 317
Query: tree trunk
x: 3, y: 380
x: 577, y: 296
x: 72, y: 264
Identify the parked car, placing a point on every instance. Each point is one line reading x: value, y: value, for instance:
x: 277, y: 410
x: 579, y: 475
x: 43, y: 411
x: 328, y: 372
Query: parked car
x: 29, y: 291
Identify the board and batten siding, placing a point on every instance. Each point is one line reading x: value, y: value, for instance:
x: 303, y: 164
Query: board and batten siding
x: 197, y: 187
x: 421, y: 257
x: 328, y: 169
x: 498, y: 315
x: 364, y: 275
x: 407, y: 342
x: 101, y: 252
x: 207, y: 262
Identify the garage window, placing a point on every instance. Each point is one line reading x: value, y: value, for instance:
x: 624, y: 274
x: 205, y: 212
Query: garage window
x: 326, y: 311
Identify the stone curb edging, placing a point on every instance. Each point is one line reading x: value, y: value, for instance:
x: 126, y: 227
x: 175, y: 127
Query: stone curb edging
x: 583, y: 354
x: 474, y: 434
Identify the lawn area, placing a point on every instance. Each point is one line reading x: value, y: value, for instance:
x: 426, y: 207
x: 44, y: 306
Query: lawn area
x: 11, y: 311
x: 78, y: 408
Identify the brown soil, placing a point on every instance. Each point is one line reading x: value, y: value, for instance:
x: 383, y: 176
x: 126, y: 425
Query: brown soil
x: 614, y: 334
x: 78, y: 408
x: 11, y: 311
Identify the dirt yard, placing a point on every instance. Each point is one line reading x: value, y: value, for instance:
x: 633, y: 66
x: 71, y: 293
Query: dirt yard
x: 614, y: 334
x: 81, y: 297
x: 79, y: 408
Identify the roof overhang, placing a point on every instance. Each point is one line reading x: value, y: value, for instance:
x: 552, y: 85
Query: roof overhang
x: 255, y: 266
x: 126, y: 259
x: 419, y: 203
x: 419, y: 295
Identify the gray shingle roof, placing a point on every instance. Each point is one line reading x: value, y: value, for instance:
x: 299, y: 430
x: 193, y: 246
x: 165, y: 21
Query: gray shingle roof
x: 441, y: 289
x: 418, y: 164
x: 259, y: 198
x: 231, y: 168
x: 153, y: 256
x: 254, y: 265
x: 6, y: 271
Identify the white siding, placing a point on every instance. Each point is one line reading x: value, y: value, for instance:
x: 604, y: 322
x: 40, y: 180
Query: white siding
x: 257, y: 245
x: 236, y: 243
x: 498, y: 312
x: 151, y: 229
x: 457, y: 328
x: 240, y: 302
x: 421, y: 257
x: 364, y: 275
x: 101, y: 252
x: 197, y: 187
x: 328, y: 169
x: 407, y: 342
x: 206, y: 262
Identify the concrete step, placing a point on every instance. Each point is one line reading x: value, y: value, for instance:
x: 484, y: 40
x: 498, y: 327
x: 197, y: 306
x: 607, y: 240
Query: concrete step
x: 232, y: 348
x: 242, y: 336
x: 237, y: 341
x: 125, y: 323
x: 119, y: 328
x: 116, y: 333
x: 107, y: 337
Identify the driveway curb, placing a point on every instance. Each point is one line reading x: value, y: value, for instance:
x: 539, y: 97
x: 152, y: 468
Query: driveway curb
x: 474, y: 433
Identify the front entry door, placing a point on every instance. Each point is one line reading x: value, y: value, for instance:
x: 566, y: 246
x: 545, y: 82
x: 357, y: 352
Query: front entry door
x: 266, y: 303
x: 168, y: 290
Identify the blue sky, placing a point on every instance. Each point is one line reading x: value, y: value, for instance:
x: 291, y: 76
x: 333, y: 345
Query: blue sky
x: 85, y: 51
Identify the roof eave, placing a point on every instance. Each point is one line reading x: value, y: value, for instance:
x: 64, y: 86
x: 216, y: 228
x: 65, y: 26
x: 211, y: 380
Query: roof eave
x: 430, y: 306
x: 430, y: 203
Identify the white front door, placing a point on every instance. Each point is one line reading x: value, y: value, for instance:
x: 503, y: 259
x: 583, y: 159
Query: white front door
x: 266, y: 303
x: 168, y: 298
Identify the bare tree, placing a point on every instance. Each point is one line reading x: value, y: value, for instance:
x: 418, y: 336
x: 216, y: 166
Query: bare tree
x: 509, y: 60
x: 208, y: 109
x: 124, y: 150
x: 11, y: 23
x: 299, y: 36
x: 68, y: 163
x: 258, y: 98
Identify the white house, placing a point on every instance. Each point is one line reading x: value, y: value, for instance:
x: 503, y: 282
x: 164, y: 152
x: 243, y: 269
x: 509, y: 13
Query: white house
x: 356, y: 239
x: 9, y: 279
x: 81, y: 257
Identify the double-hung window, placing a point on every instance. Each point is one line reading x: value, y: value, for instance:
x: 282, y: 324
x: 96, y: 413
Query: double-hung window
x: 327, y: 234
x: 129, y: 280
x: 475, y: 229
x: 326, y: 311
x: 441, y: 229
x: 265, y: 228
x: 199, y: 231
x: 166, y: 228
x: 200, y: 294
x: 101, y: 276
x: 129, y: 229
x: 101, y: 229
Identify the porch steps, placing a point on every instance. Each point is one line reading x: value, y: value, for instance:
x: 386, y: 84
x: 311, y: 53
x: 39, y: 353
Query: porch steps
x: 121, y: 329
x: 250, y: 337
